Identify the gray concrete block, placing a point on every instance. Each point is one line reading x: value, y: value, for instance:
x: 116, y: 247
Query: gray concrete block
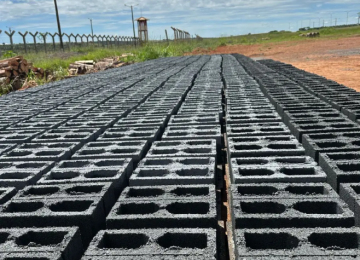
x: 176, y: 171
x: 116, y: 171
x: 20, y: 174
x: 150, y: 134
x: 194, y: 120
x: 82, y: 135
x: 40, y: 243
x: 185, y: 192
x: 282, y: 191
x: 315, y: 144
x: 106, y: 191
x: 112, y: 150
x: 19, y: 136
x: 165, y: 244
x: 257, y: 129
x: 88, y: 214
x: 245, y: 118
x: 183, y: 148
x: 162, y: 214
x: 159, y: 121
x: 85, y: 123
x: 341, y: 167
x: 263, y: 146
x: 304, y: 243
x: 297, y: 213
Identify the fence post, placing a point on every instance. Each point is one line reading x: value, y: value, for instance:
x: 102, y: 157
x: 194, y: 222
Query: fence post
x: 87, y: 38
x: 72, y: 35
x: 78, y: 35
x: 34, y: 37
x: 11, y: 39
x: 24, y: 40
x: 53, y: 39
x: 69, y: 38
x: 44, y: 38
x: 167, y: 38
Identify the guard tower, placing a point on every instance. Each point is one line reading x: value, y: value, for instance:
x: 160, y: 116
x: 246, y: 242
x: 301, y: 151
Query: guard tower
x: 143, y: 29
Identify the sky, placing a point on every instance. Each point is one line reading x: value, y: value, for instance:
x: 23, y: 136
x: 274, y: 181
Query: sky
x: 207, y: 18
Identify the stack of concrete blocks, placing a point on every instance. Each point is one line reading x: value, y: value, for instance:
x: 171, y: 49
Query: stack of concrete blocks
x: 311, y: 222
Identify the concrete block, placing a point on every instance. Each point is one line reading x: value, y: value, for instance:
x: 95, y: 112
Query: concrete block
x: 107, y: 192
x: 341, y: 167
x: 87, y: 214
x: 245, y: 118
x: 257, y: 129
x: 39, y: 243
x: 82, y: 135
x: 185, y: 192
x: 116, y: 171
x: 159, y: 121
x: 194, y: 120
x: 179, y: 244
x: 183, y: 148
x: 263, y: 146
x: 20, y: 174
x: 131, y: 134
x: 297, y: 213
x: 315, y: 144
x: 162, y: 214
x: 113, y: 150
x: 85, y: 123
x: 19, y: 136
x: 282, y: 191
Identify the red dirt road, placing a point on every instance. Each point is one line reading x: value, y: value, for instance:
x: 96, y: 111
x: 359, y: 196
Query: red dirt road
x: 336, y: 59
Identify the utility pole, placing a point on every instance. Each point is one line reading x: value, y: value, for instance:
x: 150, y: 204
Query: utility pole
x: 132, y: 15
x: 59, y: 27
x: 92, y: 31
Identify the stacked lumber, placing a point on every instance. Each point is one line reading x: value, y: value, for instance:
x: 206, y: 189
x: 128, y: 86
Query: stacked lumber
x: 81, y: 67
x: 39, y: 72
x: 13, y: 68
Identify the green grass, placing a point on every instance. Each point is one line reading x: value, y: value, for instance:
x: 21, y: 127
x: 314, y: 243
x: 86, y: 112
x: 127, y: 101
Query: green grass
x: 58, y: 63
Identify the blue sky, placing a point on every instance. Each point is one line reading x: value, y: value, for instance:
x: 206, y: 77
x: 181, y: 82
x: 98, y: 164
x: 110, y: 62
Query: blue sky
x: 207, y: 18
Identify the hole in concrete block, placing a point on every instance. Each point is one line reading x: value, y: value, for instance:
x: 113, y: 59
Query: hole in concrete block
x: 197, y: 150
x: 80, y: 190
x: 262, y: 207
x: 342, y: 125
x: 257, y: 190
x: 331, y: 144
x: 109, y: 163
x: 19, y: 153
x: 125, y: 241
x: 298, y: 171
x: 123, y: 151
x: 192, y: 172
x: 245, y: 139
x: 15, y: 175
x: 48, y: 153
x: 256, y: 172
x: 101, y: 174
x: 291, y: 160
x: 306, y: 190
x: 158, y: 162
x: 187, y: 192
x: 239, y: 130
x: 73, y: 164
x: 153, y: 173
x: 148, y: 192
x: 281, y: 146
x: 15, y: 207
x: 196, y: 161
x: 168, y: 143
x: 30, y: 165
x: 246, y: 147
x: 38, y: 239
x: 199, y: 143
x: 70, y: 206
x: 188, y: 208
x: 312, y: 127
x: 137, y: 209
x: 274, y: 241
x: 344, y: 156
x: 92, y: 151
x: 60, y: 145
x: 357, y: 143
x: 335, y: 241
x: 274, y: 129
x: 352, y: 135
x: 318, y: 207
x: 322, y: 136
x: 349, y: 167
x: 177, y: 134
x: 174, y: 241
x: 78, y: 136
x: 42, y: 191
x: 278, y: 138
x: 212, y: 133
x: 3, y: 237
x: 63, y: 175
x: 165, y: 151
x: 251, y: 161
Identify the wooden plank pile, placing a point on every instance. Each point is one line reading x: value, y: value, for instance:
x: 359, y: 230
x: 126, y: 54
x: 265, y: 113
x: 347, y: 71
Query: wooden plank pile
x: 81, y: 67
x: 13, y: 68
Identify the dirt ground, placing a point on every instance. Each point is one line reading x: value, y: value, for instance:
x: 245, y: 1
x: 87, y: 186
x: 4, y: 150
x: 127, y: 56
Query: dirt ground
x: 336, y: 59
